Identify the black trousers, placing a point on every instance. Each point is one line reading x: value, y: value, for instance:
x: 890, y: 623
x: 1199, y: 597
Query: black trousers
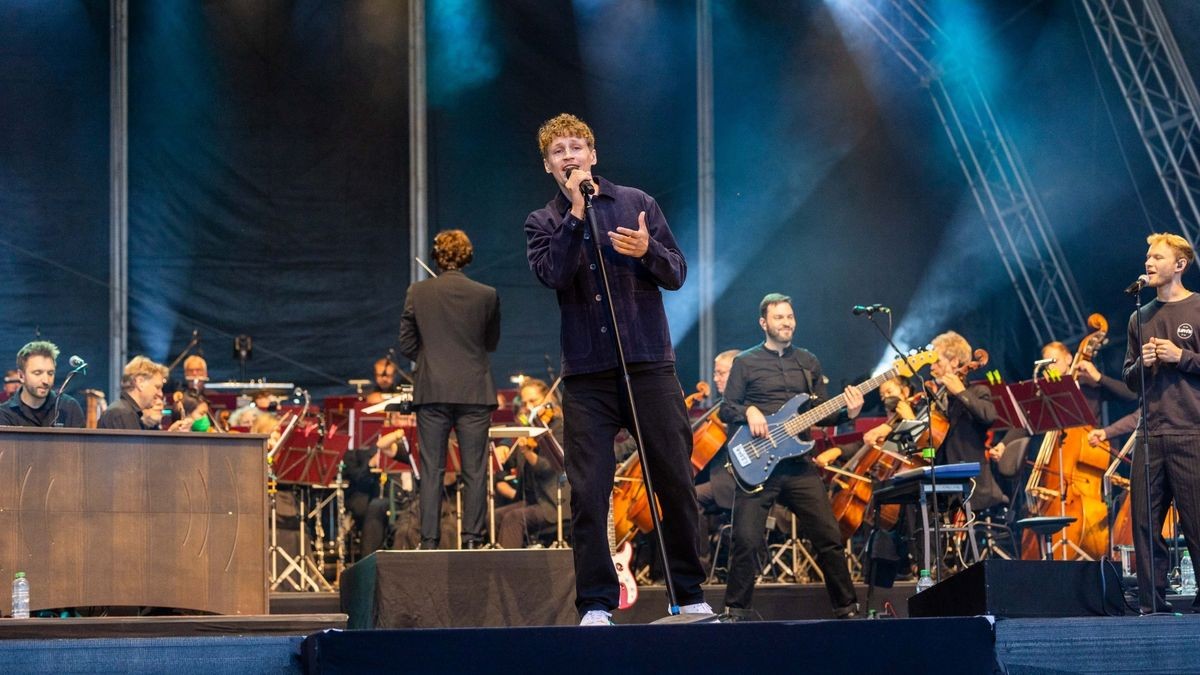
x: 1174, y: 474
x: 470, y: 422
x: 514, y: 521
x: 371, y: 516
x: 796, y: 485
x: 596, y: 408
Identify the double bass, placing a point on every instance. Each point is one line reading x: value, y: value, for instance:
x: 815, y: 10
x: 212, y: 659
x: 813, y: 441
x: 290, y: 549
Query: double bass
x: 1068, y: 477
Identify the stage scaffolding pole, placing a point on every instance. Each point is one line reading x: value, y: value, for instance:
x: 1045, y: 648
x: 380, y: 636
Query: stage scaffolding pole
x: 118, y: 177
x: 706, y: 187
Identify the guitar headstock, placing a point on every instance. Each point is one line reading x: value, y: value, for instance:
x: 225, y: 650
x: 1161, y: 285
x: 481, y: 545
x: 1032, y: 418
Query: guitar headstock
x: 918, y: 361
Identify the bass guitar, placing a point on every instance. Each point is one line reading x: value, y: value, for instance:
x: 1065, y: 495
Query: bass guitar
x: 754, y: 459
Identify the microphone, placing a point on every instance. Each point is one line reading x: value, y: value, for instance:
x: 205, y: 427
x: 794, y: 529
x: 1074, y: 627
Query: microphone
x: 586, y: 186
x: 1137, y: 286
x: 869, y: 310
x: 77, y: 363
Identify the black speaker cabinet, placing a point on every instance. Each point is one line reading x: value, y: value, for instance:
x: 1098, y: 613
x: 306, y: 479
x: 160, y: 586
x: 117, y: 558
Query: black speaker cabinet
x: 1025, y: 588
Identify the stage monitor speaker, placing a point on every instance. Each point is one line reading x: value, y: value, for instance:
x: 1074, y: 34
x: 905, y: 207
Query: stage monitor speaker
x: 1025, y: 588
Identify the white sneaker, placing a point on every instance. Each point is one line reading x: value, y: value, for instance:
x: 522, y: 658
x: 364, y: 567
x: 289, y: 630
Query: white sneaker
x: 596, y: 617
x: 696, y: 608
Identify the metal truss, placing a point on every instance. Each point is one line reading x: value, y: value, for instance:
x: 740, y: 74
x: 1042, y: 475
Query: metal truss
x: 1010, y: 207
x: 1161, y: 96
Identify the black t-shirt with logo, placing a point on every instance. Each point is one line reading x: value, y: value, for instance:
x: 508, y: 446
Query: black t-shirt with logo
x: 1172, y: 389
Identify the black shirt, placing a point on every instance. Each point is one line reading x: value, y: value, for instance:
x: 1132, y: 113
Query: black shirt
x: 971, y: 414
x: 766, y: 380
x: 14, y: 412
x: 1172, y: 389
x: 124, y: 414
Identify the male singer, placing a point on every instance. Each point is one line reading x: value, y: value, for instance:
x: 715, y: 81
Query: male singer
x: 641, y: 256
x: 36, y: 404
x: 1169, y: 357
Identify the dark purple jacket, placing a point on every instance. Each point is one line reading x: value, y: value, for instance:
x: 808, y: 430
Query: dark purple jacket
x: 562, y: 255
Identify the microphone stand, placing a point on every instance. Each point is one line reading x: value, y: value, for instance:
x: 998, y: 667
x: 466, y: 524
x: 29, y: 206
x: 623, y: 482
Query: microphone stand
x: 931, y: 456
x: 656, y: 518
x: 1144, y: 437
x: 58, y: 397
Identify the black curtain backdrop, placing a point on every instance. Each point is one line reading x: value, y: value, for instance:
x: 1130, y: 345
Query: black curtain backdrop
x: 54, y: 181
x: 269, y: 172
x: 269, y: 184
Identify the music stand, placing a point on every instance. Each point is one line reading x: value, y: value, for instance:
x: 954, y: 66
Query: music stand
x: 1051, y: 405
x: 308, y: 459
x: 512, y: 432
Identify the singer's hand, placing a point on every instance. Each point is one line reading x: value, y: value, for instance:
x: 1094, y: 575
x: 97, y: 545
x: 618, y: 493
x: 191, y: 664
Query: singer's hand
x: 854, y: 401
x: 1091, y: 376
x: 572, y: 186
x: 633, y: 243
x: 756, y: 421
x: 1149, y: 354
x: 1096, y: 437
x: 1166, y: 351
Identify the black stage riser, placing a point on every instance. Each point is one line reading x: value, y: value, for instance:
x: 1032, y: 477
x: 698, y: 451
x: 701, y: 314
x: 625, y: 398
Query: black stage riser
x: 963, y: 645
x: 1025, y: 588
x: 469, y: 589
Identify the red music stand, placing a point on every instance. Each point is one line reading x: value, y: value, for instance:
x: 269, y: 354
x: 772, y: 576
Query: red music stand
x: 307, y: 458
x: 1038, y: 406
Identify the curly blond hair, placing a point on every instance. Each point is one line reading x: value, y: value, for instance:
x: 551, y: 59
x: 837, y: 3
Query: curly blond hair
x: 564, y: 125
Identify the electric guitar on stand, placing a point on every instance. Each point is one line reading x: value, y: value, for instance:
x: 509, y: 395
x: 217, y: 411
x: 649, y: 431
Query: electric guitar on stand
x: 621, y: 558
x: 754, y: 459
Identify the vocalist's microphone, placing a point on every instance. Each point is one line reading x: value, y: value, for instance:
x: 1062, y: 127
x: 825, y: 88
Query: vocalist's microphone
x: 869, y: 310
x: 585, y: 187
x: 1137, y: 286
x: 77, y: 363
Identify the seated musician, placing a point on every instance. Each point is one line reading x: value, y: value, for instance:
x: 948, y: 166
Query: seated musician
x: 264, y: 402
x: 1097, y: 388
x: 540, y: 472
x: 193, y: 413
x: 12, y: 384
x: 387, y: 380
x: 195, y: 372
x: 140, y: 406
x: 717, y: 493
x: 36, y: 404
x: 896, y: 395
x: 969, y: 412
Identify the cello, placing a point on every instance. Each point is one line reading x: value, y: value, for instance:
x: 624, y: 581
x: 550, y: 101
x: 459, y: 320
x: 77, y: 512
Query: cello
x: 850, y: 504
x: 1068, y: 475
x: 630, y: 504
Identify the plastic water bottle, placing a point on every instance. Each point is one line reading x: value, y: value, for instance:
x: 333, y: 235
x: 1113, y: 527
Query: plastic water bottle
x: 20, y: 597
x: 1187, y: 575
x: 925, y: 582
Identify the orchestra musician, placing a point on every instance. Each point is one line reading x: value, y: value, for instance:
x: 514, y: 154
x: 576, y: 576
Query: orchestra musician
x: 12, y: 384
x: 539, y: 470
x: 1169, y: 359
x: 969, y: 413
x: 642, y: 257
x: 449, y: 326
x: 37, y: 404
x: 762, y: 379
x: 140, y: 406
